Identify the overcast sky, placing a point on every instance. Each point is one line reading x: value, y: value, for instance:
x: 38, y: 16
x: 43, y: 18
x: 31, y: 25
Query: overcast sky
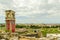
x: 32, y: 11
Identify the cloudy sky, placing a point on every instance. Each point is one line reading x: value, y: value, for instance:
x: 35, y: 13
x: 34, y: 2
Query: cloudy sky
x: 32, y: 11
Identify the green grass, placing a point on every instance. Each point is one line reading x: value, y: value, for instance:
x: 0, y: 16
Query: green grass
x: 49, y: 30
x: 3, y: 28
x: 45, y: 30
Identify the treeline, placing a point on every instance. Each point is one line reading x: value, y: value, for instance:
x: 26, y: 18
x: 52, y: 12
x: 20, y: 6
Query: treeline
x: 36, y: 27
x: 33, y: 26
x: 2, y: 25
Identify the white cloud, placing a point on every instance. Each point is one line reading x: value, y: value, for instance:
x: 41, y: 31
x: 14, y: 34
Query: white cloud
x: 35, y: 10
x: 53, y: 1
x: 28, y: 7
x: 53, y: 13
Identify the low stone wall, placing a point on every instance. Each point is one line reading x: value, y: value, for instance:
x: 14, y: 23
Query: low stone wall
x: 33, y: 38
x: 24, y: 39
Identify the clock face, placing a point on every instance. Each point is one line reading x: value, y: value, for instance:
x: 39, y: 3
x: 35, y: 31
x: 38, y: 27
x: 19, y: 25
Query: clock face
x: 10, y: 15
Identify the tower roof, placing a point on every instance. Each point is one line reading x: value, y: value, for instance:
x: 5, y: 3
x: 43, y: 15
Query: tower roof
x: 10, y: 11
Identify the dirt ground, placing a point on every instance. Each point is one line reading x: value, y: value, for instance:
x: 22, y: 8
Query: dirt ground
x: 24, y: 39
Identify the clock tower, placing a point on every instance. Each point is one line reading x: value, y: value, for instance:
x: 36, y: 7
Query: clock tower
x: 10, y: 20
